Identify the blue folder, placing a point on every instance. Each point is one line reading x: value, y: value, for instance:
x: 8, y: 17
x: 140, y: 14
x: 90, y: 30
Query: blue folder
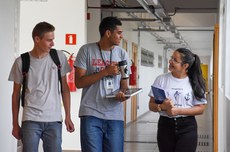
x: 159, y: 95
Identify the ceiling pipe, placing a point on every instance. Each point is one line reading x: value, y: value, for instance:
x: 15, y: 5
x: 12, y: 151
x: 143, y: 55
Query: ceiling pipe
x: 148, y: 8
x: 119, y: 9
x: 161, y: 14
x: 193, y: 10
x: 148, y: 30
x: 138, y: 19
x: 179, y: 28
x: 154, y: 9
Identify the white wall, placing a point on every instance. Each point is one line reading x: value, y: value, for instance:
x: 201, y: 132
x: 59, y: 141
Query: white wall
x: 8, y: 46
x: 131, y: 37
x: 224, y: 71
x: 93, y: 34
x: 68, y: 17
x: 147, y: 75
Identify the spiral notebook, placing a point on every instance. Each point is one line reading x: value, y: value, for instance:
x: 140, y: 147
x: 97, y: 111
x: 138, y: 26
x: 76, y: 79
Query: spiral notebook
x: 128, y: 93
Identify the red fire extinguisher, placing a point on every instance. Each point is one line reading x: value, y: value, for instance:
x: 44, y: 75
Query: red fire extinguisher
x: 70, y: 76
x: 133, y: 76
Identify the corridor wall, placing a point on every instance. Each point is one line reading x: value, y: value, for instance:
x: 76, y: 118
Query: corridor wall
x: 8, y: 46
x: 223, y: 76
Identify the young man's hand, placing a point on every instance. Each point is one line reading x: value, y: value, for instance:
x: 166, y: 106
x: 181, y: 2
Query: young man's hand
x: 16, y: 132
x: 121, y: 96
x: 69, y: 125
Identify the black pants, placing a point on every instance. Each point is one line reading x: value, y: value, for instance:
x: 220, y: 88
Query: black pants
x: 177, y: 134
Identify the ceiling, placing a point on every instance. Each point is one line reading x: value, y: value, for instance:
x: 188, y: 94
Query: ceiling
x: 174, y: 23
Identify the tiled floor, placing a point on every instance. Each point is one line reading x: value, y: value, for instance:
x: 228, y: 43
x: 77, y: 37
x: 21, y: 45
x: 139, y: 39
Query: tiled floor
x: 140, y: 136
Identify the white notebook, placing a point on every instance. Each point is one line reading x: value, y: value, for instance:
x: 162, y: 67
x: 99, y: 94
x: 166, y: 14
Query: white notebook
x: 128, y: 93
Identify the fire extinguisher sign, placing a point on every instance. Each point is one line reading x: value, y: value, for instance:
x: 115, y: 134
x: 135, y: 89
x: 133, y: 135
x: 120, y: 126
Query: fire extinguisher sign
x: 71, y: 39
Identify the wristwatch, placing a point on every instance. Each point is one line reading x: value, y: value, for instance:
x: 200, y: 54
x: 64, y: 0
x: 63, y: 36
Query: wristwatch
x: 158, y: 108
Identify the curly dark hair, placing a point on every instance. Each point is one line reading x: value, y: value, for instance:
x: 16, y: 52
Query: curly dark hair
x: 109, y: 23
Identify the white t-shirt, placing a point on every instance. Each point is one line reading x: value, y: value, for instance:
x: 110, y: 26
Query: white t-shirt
x: 42, y: 96
x: 179, y: 90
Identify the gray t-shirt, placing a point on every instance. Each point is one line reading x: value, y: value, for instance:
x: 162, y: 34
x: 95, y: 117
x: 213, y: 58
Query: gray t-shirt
x: 93, y: 101
x: 42, y: 96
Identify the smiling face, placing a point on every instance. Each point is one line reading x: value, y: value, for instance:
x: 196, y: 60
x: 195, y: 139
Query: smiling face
x: 115, y: 36
x: 176, y: 65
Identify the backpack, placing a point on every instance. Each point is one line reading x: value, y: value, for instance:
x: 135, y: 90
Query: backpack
x: 26, y: 65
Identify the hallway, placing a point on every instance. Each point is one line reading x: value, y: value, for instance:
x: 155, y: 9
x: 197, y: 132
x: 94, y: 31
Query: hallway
x: 140, y: 136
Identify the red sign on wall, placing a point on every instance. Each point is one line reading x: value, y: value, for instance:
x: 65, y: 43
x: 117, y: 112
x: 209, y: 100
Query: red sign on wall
x: 71, y: 39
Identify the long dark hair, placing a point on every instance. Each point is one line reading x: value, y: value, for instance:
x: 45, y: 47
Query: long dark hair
x: 194, y: 72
